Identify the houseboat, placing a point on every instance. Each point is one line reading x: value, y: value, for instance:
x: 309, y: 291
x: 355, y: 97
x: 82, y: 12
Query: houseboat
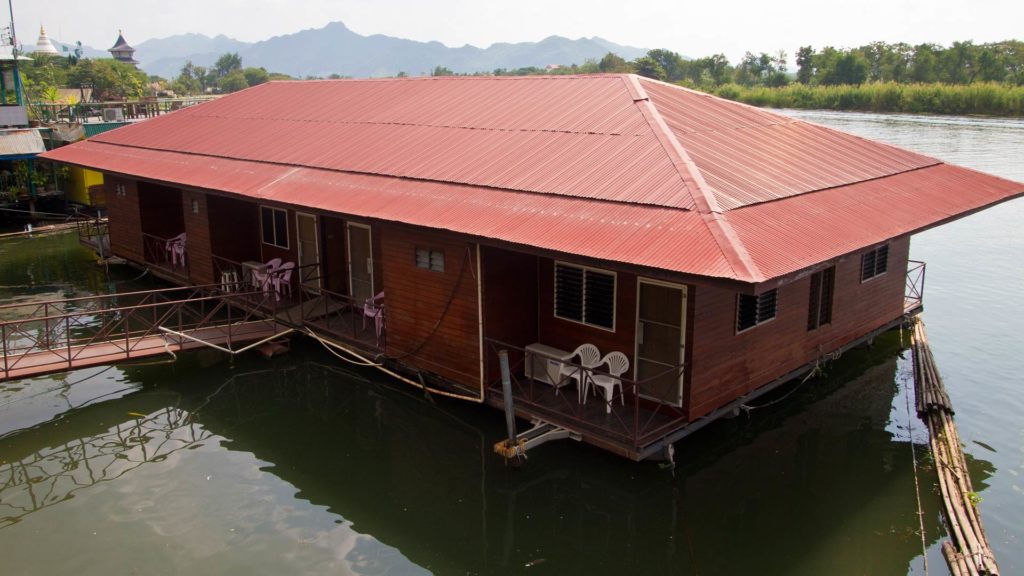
x: 648, y: 257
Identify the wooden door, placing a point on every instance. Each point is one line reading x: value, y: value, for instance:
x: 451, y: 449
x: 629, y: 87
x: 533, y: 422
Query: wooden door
x: 333, y: 254
x: 661, y: 341
x: 360, y: 262
x: 309, y: 250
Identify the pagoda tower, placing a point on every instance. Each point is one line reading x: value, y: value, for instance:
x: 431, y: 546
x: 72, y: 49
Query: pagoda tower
x: 44, y: 46
x: 122, y: 52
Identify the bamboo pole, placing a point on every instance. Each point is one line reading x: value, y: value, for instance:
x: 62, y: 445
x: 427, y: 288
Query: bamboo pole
x: 969, y: 552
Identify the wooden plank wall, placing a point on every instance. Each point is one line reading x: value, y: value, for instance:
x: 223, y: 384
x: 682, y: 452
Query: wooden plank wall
x: 726, y: 365
x: 125, y: 221
x: 234, y: 228
x: 160, y: 209
x: 198, y: 248
x: 510, y: 304
x: 415, y: 300
x: 567, y: 335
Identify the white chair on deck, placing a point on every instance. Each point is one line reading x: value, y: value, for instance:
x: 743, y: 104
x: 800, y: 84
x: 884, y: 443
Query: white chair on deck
x: 262, y: 278
x: 590, y: 358
x: 618, y: 364
x: 374, y: 308
x: 282, y: 279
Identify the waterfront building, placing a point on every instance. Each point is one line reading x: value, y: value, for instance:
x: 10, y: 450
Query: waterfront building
x: 720, y: 249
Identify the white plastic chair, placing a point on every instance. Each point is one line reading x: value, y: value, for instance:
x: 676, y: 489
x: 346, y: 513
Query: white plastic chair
x: 374, y: 308
x: 282, y: 279
x: 590, y: 358
x: 262, y: 278
x: 618, y: 364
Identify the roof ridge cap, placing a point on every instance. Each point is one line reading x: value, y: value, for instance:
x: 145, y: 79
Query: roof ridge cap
x: 733, y: 250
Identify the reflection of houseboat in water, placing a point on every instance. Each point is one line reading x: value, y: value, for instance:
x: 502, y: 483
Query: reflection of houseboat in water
x: 715, y: 249
x: 814, y: 479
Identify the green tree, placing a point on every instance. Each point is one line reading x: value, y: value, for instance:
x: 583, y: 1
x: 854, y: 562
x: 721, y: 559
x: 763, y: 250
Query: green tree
x: 649, y: 67
x: 613, y: 63
x: 233, y: 82
x: 228, y: 63
x: 924, y: 64
x: 110, y: 79
x: 255, y: 76
x: 188, y: 80
x: 805, y: 64
x: 441, y: 71
x: 672, y: 64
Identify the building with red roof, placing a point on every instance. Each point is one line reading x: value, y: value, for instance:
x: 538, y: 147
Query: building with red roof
x: 722, y: 249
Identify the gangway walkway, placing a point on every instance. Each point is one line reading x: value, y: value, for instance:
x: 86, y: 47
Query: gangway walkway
x: 54, y: 335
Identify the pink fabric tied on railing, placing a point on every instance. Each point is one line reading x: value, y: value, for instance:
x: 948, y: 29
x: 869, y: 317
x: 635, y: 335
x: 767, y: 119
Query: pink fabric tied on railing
x: 176, y: 246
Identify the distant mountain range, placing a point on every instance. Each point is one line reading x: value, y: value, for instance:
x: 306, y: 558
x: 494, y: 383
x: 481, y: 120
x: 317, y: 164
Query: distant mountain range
x: 334, y: 49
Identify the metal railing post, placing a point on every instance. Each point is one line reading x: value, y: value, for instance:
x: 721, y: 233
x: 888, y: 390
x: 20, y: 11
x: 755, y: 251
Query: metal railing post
x: 67, y: 336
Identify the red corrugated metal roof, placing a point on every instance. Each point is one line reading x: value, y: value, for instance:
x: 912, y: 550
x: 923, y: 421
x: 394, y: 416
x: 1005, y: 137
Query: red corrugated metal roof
x: 613, y: 167
x: 652, y: 236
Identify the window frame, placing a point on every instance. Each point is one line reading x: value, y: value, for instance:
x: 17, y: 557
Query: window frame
x: 274, y: 221
x: 819, y: 300
x: 873, y: 254
x: 430, y: 254
x: 758, y: 321
x: 583, y: 294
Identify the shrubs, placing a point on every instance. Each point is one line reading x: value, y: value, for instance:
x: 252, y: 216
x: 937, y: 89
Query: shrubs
x: 989, y: 99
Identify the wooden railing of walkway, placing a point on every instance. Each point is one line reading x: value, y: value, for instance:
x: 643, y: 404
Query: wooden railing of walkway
x: 63, y: 334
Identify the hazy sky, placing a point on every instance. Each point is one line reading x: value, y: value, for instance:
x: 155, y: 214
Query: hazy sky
x: 688, y: 27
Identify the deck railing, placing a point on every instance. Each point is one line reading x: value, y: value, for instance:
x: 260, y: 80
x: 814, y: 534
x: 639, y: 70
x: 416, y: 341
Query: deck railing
x: 632, y: 421
x: 913, y: 300
x: 309, y: 304
x: 129, y: 109
x: 66, y: 327
x: 158, y: 251
x: 94, y: 233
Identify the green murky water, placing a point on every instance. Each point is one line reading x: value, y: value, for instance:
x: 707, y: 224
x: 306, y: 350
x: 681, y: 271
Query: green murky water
x: 302, y: 465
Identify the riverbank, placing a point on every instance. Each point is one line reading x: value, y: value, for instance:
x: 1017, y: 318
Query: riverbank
x: 983, y: 99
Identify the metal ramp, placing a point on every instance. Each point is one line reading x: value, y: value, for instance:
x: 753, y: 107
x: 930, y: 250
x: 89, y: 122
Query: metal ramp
x: 53, y: 335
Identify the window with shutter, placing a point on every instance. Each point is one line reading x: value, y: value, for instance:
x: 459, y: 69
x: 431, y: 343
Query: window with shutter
x: 585, y: 295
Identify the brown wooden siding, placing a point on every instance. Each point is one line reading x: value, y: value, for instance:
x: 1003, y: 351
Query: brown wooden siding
x: 197, y: 238
x: 416, y: 298
x: 125, y: 222
x: 726, y: 365
x: 234, y: 228
x: 161, y: 210
x: 567, y: 335
x: 510, y: 302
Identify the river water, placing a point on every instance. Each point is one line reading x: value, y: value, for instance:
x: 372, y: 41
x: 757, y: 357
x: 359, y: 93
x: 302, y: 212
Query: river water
x: 302, y: 465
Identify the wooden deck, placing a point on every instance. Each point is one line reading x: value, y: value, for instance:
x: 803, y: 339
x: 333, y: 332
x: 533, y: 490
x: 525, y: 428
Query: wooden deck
x: 624, y: 430
x: 120, y: 350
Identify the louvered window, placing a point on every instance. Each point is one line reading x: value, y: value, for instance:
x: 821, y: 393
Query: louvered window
x: 585, y: 295
x: 820, y: 310
x: 874, y: 263
x: 430, y: 259
x: 753, y: 310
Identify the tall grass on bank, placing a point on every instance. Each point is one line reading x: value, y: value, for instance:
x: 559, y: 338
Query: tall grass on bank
x: 989, y: 99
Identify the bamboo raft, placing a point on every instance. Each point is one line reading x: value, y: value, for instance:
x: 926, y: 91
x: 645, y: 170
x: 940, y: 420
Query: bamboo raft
x: 968, y: 553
